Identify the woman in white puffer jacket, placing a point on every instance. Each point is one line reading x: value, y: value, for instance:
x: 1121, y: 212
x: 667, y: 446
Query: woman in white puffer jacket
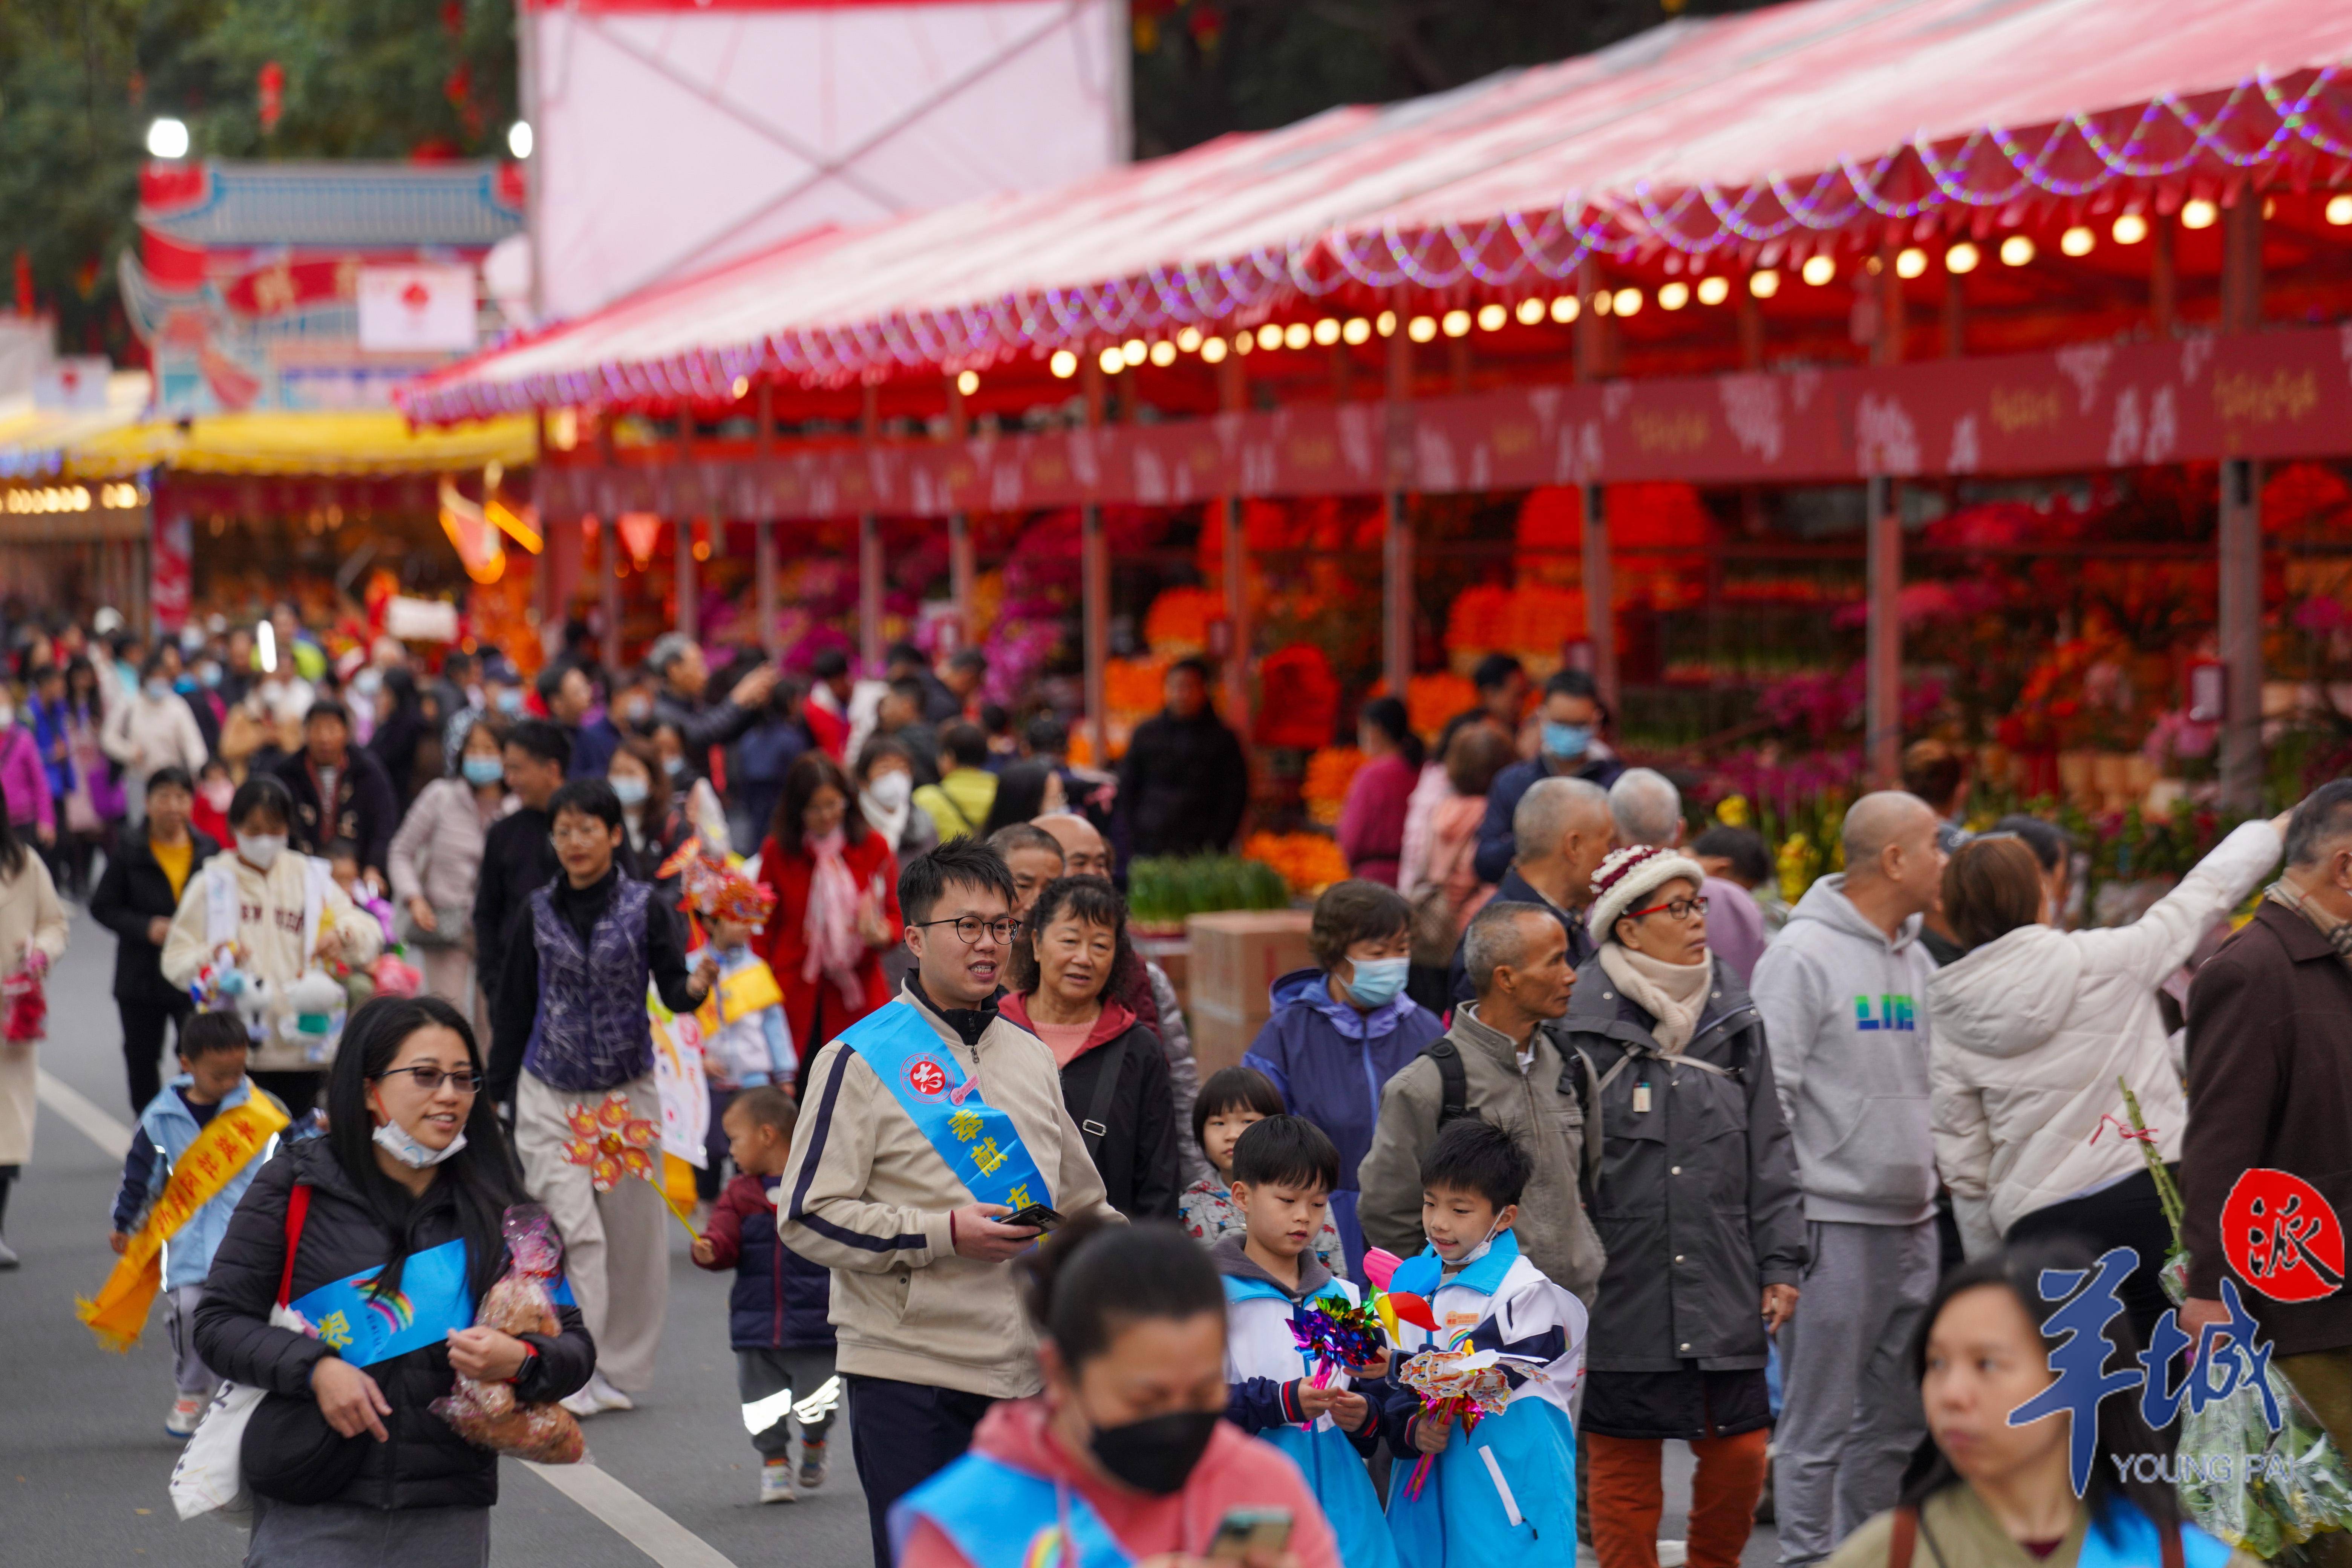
x: 2032, y: 1029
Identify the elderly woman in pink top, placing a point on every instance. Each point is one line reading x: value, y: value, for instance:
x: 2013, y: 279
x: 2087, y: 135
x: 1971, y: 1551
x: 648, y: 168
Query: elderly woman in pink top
x: 1371, y: 819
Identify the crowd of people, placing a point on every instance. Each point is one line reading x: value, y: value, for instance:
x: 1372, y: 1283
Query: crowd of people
x: 1784, y: 1184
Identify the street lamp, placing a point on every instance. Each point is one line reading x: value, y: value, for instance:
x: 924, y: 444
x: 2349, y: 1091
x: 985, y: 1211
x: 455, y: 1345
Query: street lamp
x: 168, y: 138
x: 519, y: 138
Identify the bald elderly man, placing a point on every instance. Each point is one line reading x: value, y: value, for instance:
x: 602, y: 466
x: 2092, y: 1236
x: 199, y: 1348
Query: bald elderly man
x: 1561, y: 832
x: 1843, y: 992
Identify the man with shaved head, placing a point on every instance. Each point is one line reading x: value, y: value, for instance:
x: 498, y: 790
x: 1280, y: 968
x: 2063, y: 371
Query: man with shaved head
x: 1561, y: 832
x: 1844, y: 994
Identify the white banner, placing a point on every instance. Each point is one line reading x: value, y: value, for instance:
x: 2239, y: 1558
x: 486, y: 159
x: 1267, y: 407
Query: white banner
x: 407, y: 310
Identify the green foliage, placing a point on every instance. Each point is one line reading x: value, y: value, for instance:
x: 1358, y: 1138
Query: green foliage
x: 1162, y: 891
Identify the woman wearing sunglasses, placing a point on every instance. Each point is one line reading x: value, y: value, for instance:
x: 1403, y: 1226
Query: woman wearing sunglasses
x: 401, y: 1201
x: 1696, y: 1204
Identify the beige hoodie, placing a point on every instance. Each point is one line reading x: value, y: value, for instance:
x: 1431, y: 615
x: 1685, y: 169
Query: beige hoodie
x: 271, y: 915
x: 866, y: 1195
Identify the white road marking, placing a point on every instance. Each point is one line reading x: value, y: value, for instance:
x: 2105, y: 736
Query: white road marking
x: 630, y: 1517
x: 78, y: 1108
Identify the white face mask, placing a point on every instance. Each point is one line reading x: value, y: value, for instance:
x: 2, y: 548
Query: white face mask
x: 890, y: 791
x: 260, y: 850
x: 402, y: 1146
x: 1483, y: 1248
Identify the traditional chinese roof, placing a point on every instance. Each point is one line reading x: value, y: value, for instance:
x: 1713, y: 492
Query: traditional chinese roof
x: 469, y: 205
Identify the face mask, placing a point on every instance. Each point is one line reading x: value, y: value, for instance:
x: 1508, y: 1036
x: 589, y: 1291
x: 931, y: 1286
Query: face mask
x: 185, y: 684
x: 674, y: 766
x: 8, y: 715
x: 1566, y: 739
x: 157, y: 690
x: 367, y: 683
x: 218, y: 793
x: 483, y: 769
x: 632, y: 714
x: 510, y: 700
x: 402, y: 1146
x: 261, y: 849
x: 208, y: 674
x: 1378, y: 981
x: 629, y: 792
x: 1483, y: 1248
x: 891, y: 790
x: 1156, y: 1455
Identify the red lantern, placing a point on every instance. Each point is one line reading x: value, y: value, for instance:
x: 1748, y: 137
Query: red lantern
x: 273, y: 94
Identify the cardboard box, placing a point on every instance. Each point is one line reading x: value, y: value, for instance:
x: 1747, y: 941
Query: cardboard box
x: 1237, y: 957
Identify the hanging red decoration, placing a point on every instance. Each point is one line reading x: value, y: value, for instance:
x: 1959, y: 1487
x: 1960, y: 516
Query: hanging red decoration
x: 272, y: 84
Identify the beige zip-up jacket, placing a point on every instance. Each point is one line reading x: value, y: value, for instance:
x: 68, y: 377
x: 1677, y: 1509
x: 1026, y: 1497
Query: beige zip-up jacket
x: 269, y: 922
x: 866, y: 1195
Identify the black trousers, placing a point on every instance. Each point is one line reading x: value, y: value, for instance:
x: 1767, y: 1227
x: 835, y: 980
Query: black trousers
x: 901, y: 1434
x: 2128, y: 1214
x: 142, y: 1044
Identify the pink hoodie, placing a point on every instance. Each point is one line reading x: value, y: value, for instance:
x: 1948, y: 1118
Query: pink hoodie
x: 1237, y: 1471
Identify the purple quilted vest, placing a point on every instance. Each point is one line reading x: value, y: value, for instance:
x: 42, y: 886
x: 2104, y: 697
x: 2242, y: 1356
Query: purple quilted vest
x: 591, y: 1032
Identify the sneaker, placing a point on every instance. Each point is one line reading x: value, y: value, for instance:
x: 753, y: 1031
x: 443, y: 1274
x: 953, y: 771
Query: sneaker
x: 608, y: 1397
x: 581, y: 1402
x: 186, y: 1411
x: 812, y: 1474
x: 776, y: 1482
x: 8, y: 1258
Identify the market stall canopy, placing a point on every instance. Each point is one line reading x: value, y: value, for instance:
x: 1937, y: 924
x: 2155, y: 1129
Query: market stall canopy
x: 346, y: 443
x: 1770, y: 134
x: 36, y: 441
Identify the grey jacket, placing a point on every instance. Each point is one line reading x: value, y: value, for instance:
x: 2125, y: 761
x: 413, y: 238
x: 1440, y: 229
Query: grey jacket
x: 1542, y: 1108
x: 1696, y: 1200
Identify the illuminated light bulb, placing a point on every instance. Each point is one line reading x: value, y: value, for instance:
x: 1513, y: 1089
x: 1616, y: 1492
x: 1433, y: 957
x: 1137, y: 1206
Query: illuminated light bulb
x: 1064, y: 364
x: 1298, y: 335
x: 1530, y: 312
x: 742, y: 384
x: 1602, y: 303
x: 2340, y: 210
x: 1163, y: 352
x: 2198, y: 213
x: 1269, y: 336
x: 1456, y: 323
x: 1492, y: 317
x: 1764, y: 284
x: 1674, y: 295
x: 1714, y: 290
x: 1189, y: 340
x: 1385, y: 323
x: 1422, y: 329
x: 1112, y: 361
x: 1627, y: 302
x: 1213, y: 350
x: 1910, y: 262
x: 1327, y: 331
x: 168, y: 138
x: 520, y: 139
x: 1819, y: 270
x: 1962, y: 257
x: 967, y: 382
x: 1357, y: 330
x: 1566, y: 309
x: 1244, y: 341
x: 2016, y: 250
x: 2077, y: 241
x: 2130, y: 229
x: 1133, y: 349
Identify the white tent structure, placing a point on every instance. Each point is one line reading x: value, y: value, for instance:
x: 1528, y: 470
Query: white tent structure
x: 669, y: 136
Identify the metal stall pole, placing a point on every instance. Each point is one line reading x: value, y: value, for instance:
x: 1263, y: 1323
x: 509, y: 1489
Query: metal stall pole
x: 1601, y: 598
x: 764, y: 527
x: 869, y: 557
x: 1882, y: 704
x: 683, y: 482
x: 2241, y: 543
x: 962, y: 568
x: 1232, y: 398
x: 1094, y: 593
x: 608, y: 549
x: 1396, y: 538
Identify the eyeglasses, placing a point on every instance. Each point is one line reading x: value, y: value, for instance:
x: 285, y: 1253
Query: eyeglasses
x: 1678, y: 909
x: 970, y: 926
x: 429, y: 1078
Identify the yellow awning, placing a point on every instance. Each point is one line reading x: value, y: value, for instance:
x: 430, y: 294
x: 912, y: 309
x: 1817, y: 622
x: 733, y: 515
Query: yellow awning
x: 348, y: 442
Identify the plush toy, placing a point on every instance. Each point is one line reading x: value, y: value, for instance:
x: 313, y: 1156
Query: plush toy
x: 315, y: 1005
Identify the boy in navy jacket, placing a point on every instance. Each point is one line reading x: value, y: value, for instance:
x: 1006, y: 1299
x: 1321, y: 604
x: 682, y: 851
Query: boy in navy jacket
x: 778, y: 1312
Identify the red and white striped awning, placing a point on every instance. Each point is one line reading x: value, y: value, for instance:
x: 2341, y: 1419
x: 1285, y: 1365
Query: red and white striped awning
x: 1740, y: 139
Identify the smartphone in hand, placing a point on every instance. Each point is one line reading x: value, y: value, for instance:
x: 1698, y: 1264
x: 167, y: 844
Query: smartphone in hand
x: 1246, y: 1530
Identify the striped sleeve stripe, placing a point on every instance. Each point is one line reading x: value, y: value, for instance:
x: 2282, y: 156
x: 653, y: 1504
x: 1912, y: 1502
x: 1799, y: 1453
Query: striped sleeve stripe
x: 816, y: 1156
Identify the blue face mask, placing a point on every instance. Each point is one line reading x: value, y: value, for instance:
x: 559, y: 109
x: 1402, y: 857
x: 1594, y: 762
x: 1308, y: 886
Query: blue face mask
x: 484, y: 770
x: 185, y: 684
x: 674, y: 766
x: 1566, y: 739
x: 510, y: 700
x: 1377, y: 981
x: 629, y: 791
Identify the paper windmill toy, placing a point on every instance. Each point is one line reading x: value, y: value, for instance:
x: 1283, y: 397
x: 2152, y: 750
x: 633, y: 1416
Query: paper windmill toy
x: 610, y: 1142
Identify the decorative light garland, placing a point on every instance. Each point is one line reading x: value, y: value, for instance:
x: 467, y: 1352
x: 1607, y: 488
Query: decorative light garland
x: 1494, y: 253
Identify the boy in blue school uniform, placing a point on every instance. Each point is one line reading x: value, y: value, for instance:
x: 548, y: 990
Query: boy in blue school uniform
x: 1283, y: 1169
x: 1502, y: 1495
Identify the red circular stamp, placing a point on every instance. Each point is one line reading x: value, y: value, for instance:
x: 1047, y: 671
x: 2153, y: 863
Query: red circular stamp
x: 927, y: 1078
x: 2281, y: 1238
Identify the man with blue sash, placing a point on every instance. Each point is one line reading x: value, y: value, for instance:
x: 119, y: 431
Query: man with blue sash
x: 923, y: 1125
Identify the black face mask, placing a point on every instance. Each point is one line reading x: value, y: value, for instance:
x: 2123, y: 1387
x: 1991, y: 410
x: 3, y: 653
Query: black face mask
x: 1157, y: 1455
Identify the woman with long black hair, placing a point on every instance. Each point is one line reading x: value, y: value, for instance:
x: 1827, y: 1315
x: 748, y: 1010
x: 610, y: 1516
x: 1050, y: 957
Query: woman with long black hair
x: 1982, y: 1493
x: 408, y: 1193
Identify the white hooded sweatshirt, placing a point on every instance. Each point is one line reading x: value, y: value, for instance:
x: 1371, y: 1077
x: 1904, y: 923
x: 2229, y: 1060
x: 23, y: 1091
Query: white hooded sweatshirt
x: 2033, y: 1030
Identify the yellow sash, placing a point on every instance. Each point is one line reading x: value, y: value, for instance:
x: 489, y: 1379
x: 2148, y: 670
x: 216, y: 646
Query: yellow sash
x: 221, y: 1150
x: 738, y: 995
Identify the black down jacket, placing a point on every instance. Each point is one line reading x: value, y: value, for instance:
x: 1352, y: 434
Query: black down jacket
x: 425, y: 1464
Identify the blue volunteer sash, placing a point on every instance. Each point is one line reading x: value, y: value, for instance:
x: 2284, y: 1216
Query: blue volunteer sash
x: 1000, y: 1517
x: 434, y: 1297
x: 2121, y: 1536
x: 977, y: 1140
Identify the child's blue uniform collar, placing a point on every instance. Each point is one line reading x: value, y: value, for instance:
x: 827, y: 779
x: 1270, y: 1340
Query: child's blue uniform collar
x: 1238, y: 1288
x: 1424, y: 1274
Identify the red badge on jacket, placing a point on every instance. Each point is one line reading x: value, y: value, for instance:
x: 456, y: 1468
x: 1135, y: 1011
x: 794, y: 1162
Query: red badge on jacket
x: 2281, y: 1238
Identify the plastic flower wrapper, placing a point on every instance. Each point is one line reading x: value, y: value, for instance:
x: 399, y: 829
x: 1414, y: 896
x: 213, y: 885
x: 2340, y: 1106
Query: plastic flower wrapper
x: 1339, y: 1336
x: 1470, y: 1385
x: 488, y: 1415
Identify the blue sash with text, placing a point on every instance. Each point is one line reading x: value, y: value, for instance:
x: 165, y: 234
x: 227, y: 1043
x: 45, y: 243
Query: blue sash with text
x: 977, y: 1140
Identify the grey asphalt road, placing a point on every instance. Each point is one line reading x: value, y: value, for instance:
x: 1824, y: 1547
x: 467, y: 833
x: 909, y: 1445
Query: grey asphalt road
x: 84, y: 1459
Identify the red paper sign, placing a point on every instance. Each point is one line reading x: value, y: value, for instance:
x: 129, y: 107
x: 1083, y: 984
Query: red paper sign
x: 2281, y: 1238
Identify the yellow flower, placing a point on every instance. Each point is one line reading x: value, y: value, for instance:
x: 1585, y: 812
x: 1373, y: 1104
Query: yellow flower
x: 1733, y: 811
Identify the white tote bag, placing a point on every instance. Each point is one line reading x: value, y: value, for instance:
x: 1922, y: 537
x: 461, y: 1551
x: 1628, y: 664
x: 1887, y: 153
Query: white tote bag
x: 210, y: 1475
